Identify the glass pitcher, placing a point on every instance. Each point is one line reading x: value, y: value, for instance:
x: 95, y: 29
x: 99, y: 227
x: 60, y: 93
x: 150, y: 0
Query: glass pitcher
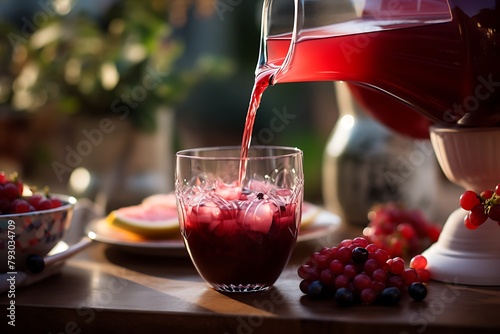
x: 440, y: 58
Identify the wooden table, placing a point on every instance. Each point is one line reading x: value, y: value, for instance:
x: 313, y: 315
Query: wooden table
x: 105, y: 290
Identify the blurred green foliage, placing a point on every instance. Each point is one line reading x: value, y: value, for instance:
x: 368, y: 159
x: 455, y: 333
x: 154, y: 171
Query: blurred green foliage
x: 122, y: 61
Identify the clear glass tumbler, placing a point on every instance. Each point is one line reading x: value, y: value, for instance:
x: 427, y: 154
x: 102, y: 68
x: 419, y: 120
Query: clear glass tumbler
x: 239, y: 228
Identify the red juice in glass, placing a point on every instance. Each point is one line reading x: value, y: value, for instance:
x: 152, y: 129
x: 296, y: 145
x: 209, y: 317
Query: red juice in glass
x: 241, y: 237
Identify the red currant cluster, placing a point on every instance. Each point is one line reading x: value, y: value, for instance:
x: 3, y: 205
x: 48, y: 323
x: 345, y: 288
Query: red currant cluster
x: 12, y: 200
x: 481, y: 207
x: 399, y: 231
x: 358, y: 272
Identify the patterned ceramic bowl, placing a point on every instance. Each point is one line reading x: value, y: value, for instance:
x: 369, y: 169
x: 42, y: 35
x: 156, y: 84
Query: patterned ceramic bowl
x: 32, y: 233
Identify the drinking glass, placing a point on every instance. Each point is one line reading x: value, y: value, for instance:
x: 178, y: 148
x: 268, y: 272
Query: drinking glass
x: 239, y: 228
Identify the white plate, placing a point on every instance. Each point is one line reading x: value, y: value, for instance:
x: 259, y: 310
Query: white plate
x: 100, y: 230
x: 322, y: 224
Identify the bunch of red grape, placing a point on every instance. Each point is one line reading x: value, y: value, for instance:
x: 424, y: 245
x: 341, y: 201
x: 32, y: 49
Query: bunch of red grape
x: 356, y: 272
x: 400, y: 231
x: 481, y: 207
x: 12, y: 200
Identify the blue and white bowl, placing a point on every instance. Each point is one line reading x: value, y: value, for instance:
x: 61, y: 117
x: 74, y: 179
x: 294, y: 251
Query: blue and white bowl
x: 32, y: 233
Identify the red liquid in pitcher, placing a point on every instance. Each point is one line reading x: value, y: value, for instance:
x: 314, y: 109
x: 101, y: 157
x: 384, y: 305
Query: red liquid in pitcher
x: 448, y: 73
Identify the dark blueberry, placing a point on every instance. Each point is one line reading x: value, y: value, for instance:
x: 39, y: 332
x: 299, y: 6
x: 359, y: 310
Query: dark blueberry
x: 315, y: 289
x: 35, y: 264
x: 390, y: 296
x: 260, y: 196
x: 344, y: 297
x: 417, y: 291
x: 359, y: 255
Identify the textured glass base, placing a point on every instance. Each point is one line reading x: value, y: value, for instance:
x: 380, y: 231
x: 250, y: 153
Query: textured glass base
x: 241, y: 287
